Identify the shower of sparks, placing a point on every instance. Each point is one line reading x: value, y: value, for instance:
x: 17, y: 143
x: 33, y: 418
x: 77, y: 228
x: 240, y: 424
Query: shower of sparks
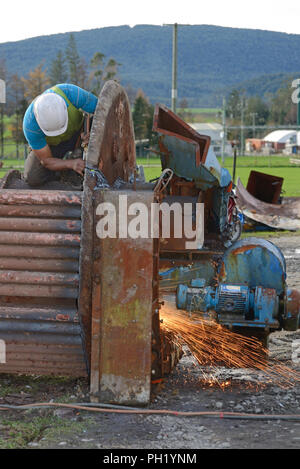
x: 213, y: 345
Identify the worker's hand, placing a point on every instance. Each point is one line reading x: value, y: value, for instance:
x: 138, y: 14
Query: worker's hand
x: 85, y: 139
x: 77, y: 165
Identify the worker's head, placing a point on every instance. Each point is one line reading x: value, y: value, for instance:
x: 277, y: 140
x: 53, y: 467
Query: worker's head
x: 51, y: 113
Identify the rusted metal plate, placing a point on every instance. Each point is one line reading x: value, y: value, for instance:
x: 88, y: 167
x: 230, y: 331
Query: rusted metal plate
x: 285, y: 216
x: 122, y: 311
x: 264, y: 187
x: 39, y: 278
x: 111, y: 146
x: 112, y: 149
x: 86, y: 258
x: 169, y: 124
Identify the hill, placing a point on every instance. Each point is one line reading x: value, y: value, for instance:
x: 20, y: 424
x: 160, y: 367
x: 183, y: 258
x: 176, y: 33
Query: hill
x: 211, y: 59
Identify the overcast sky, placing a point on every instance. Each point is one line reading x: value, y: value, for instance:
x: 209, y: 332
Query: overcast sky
x: 21, y: 19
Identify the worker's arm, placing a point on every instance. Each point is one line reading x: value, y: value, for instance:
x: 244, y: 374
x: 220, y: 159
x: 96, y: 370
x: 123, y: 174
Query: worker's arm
x: 56, y: 164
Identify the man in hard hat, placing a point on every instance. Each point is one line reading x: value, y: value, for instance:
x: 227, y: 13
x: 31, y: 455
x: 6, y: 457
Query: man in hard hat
x: 53, y: 125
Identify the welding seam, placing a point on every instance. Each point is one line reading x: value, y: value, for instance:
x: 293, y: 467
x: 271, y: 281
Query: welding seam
x: 107, y: 408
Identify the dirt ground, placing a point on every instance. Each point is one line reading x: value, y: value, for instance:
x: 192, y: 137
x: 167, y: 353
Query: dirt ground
x: 247, y: 391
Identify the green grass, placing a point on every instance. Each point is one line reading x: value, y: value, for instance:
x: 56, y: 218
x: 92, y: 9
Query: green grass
x: 201, y: 110
x: 274, y: 165
x: 269, y: 234
x: 17, y: 434
x: 291, y: 183
x: 11, y: 163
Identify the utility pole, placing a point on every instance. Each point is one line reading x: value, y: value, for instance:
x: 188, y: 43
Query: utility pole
x: 298, y: 117
x: 174, y: 68
x: 253, y: 114
x: 174, y: 65
x: 298, y: 107
x: 224, y: 130
x: 242, y: 126
x: 2, y: 102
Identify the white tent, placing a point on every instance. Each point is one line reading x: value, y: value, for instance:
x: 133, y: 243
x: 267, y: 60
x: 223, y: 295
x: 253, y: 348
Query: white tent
x: 281, y: 136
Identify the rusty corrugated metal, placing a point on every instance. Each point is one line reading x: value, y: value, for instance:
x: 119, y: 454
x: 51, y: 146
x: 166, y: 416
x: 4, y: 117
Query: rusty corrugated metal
x: 39, y: 278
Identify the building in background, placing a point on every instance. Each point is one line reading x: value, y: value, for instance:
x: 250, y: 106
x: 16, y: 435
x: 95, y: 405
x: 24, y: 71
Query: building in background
x: 215, y: 132
x: 278, y: 141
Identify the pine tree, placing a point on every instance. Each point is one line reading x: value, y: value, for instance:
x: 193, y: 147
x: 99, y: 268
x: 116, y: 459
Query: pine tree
x: 101, y: 72
x: 73, y: 60
x: 58, y: 73
x: 142, y: 117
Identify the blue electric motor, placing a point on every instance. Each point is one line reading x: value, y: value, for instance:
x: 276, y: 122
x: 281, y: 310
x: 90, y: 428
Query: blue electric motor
x: 236, y: 305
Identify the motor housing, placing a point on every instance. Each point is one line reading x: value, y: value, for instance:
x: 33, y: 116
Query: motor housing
x: 232, y: 305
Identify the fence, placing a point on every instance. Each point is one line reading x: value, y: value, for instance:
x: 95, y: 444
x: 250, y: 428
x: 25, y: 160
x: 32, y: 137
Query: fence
x: 13, y: 151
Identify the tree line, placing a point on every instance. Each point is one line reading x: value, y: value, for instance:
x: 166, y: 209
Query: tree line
x: 273, y: 109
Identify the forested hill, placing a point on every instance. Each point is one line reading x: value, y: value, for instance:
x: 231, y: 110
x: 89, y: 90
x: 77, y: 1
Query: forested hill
x: 211, y: 59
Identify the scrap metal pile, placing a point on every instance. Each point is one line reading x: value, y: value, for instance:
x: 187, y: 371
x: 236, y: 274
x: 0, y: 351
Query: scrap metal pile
x: 262, y: 204
x: 74, y: 303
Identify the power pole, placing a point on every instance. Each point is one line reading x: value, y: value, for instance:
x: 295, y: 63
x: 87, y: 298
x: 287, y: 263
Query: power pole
x: 2, y: 102
x: 298, y: 107
x: 242, y: 126
x: 253, y: 114
x: 298, y: 117
x: 174, y: 65
x: 174, y: 68
x: 224, y: 130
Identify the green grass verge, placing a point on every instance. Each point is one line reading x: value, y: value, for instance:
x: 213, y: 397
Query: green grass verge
x: 17, y: 434
x: 274, y: 165
x: 280, y: 166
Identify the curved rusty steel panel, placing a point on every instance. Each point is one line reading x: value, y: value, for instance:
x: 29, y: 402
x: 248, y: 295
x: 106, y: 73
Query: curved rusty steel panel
x: 285, y: 216
x: 112, y: 146
x: 168, y: 123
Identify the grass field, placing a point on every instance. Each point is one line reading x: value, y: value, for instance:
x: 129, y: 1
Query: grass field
x: 202, y: 110
x: 274, y: 165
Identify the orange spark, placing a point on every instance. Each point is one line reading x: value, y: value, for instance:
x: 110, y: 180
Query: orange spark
x: 213, y: 345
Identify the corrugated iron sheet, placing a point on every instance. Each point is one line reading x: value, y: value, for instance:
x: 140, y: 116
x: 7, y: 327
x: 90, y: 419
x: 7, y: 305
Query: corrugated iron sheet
x: 39, y: 278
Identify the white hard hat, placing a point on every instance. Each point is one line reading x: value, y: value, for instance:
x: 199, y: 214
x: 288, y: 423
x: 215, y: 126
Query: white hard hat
x: 51, y: 113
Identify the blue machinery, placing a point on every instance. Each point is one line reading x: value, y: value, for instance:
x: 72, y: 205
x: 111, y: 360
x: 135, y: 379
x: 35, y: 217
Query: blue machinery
x: 251, y: 290
x: 238, y: 283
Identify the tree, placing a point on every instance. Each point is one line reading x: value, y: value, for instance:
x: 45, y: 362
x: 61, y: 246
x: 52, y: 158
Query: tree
x: 283, y: 110
x: 101, y: 72
x: 36, y: 83
x: 82, y: 73
x: 58, y: 72
x: 233, y: 107
x: 183, y: 110
x: 73, y: 60
x: 257, y: 111
x: 131, y: 93
x: 142, y: 117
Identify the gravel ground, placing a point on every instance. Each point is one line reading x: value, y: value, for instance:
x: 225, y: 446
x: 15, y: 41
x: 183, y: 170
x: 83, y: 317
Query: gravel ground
x: 246, y: 391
